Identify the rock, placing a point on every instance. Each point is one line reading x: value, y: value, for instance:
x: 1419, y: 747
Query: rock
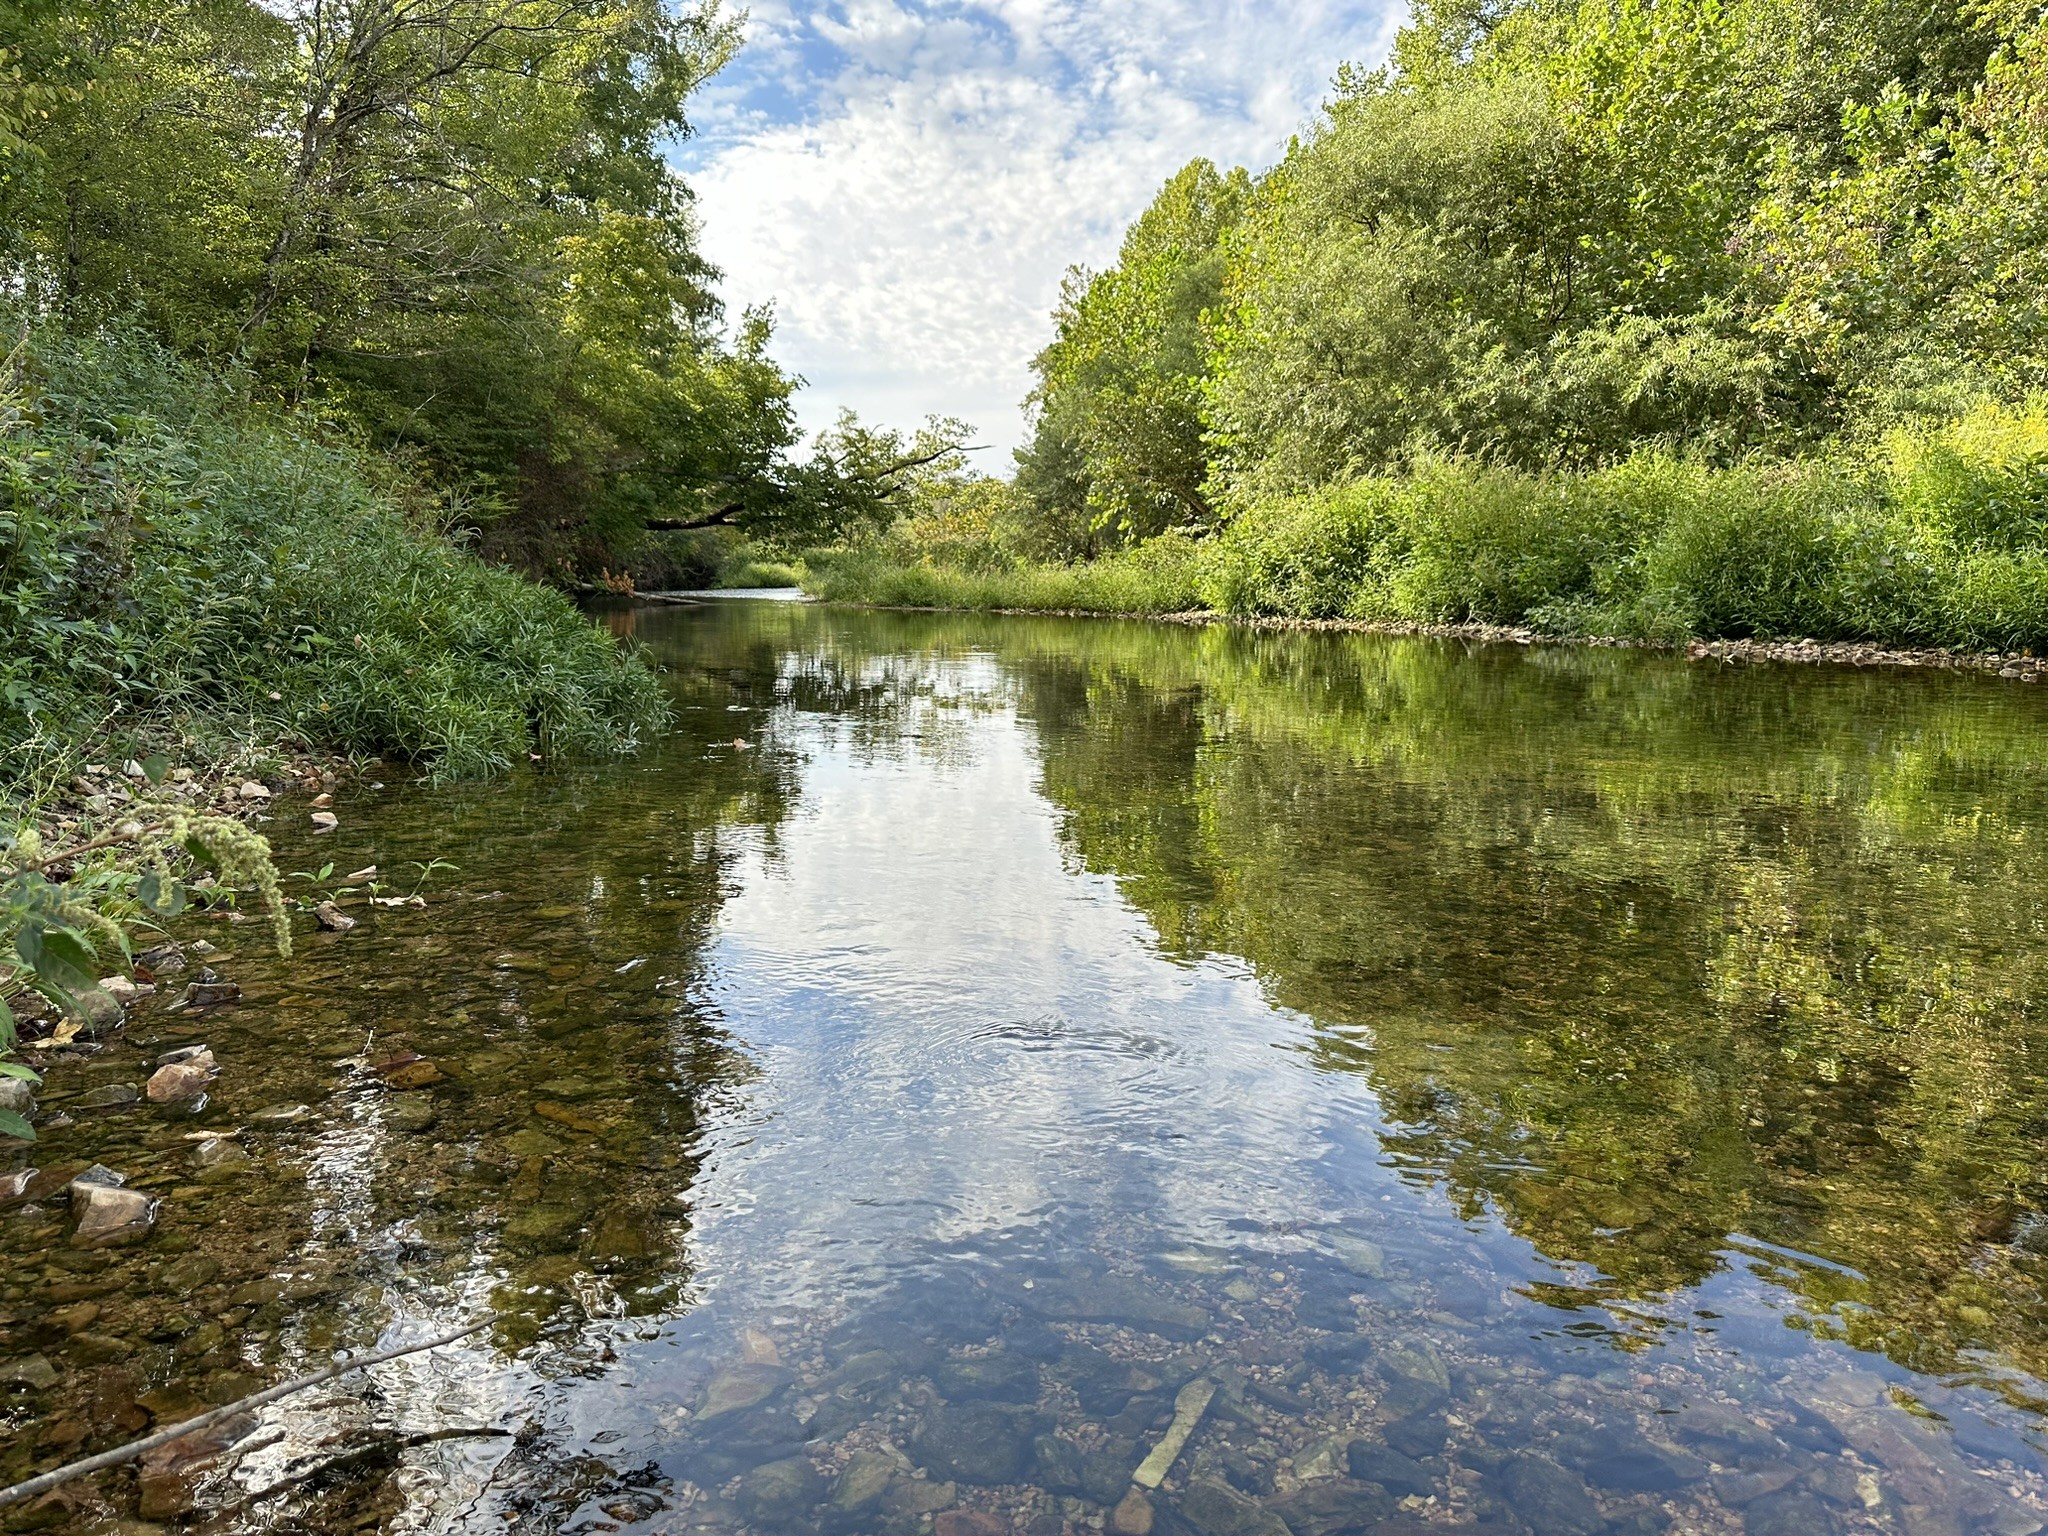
x: 108, y: 1096
x: 780, y: 1488
x: 1217, y: 1509
x: 1399, y: 1475
x: 250, y: 790
x: 1132, y: 1515
x: 325, y: 821
x: 739, y: 1387
x: 1418, y: 1435
x: 908, y: 1497
x: 863, y: 1482
x: 101, y: 1174
x: 412, y: 1116
x: 14, y: 1186
x: 207, y: 994
x: 106, y: 1216
x: 757, y: 1348
x: 1358, y: 1255
x: 1642, y: 1469
x: 1339, y: 1504
x: 1188, y: 1407
x: 101, y: 1009
x: 28, y: 1371
x: 186, y: 1275
x: 1059, y: 1465
x: 218, y: 1152
x: 1000, y: 1375
x: 169, y: 1474
x: 1795, y: 1513
x: 186, y: 1053
x: 408, y: 1071
x: 17, y: 1097
x: 1106, y: 1473
x: 969, y: 1522
x: 202, y: 948
x: 162, y: 960
x: 124, y: 991
x: 1322, y: 1458
x: 180, y: 1080
x: 1550, y: 1500
x: 332, y: 918
x: 1110, y: 1299
x: 281, y: 1114
x: 548, y: 1228
x: 978, y: 1443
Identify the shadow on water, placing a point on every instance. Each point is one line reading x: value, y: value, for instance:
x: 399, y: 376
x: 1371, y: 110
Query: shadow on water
x: 1449, y: 1088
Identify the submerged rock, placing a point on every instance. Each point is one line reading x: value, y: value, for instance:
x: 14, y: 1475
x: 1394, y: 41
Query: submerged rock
x: 332, y: 918
x: 978, y: 1443
x: 1338, y: 1504
x: 1132, y: 1515
x: 777, y: 1489
x: 107, y: 1216
x: 1551, y: 1500
x: 28, y: 1371
x: 17, y: 1097
x: 1000, y: 1375
x: 1399, y: 1475
x: 1216, y: 1509
x: 108, y: 1096
x: 740, y: 1387
x: 908, y: 1497
x: 218, y: 1152
x: 180, y: 1080
x: 863, y: 1482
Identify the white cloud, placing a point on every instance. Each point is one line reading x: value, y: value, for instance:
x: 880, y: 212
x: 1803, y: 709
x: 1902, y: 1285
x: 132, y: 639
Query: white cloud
x: 907, y: 182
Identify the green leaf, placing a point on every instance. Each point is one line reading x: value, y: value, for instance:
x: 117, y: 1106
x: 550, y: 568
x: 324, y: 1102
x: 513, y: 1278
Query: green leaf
x: 7, y: 1032
x: 60, y: 958
x: 16, y: 1126
x: 155, y: 766
x: 160, y: 895
x: 15, y: 1069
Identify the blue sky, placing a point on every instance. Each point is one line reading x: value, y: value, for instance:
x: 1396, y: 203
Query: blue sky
x: 906, y: 180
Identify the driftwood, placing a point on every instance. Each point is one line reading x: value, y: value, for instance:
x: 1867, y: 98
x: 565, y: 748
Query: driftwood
x: 42, y: 1484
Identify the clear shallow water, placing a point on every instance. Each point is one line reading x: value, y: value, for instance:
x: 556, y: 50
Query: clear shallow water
x: 1555, y: 1091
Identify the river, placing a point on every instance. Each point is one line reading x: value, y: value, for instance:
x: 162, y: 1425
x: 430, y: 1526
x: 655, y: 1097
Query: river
x: 1441, y: 1087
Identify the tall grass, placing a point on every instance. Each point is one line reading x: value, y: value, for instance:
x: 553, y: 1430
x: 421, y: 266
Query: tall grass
x: 175, y: 559
x: 1933, y: 536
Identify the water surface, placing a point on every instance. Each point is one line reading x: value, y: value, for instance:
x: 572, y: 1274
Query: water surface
x: 1505, y: 1090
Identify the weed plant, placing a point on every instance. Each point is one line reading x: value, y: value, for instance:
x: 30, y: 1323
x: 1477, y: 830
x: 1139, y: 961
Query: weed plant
x: 178, y: 561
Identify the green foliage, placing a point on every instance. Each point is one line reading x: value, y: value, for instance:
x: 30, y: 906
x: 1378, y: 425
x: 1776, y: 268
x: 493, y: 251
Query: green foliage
x: 171, y: 552
x: 67, y: 913
x: 1156, y: 577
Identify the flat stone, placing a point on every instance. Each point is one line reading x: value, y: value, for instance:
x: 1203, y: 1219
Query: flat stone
x: 1109, y: 1299
x: 180, y: 1080
x: 1326, y: 1507
x: 863, y: 1482
x: 1552, y: 1501
x: 1000, y: 1375
x: 1358, y: 1255
x: 101, y: 1174
x: 1795, y: 1512
x: 969, y: 1522
x: 107, y: 1096
x: 977, y: 1443
x: 28, y: 1371
x: 1216, y: 1509
x: 740, y: 1387
x: 1132, y: 1515
x: 780, y: 1488
x: 106, y: 1217
x: 17, y: 1097
x: 908, y: 1497
x: 1398, y: 1474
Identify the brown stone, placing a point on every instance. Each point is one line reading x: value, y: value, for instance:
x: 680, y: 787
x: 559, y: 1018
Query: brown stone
x: 107, y: 1216
x: 968, y: 1522
x: 1133, y: 1516
x: 180, y: 1080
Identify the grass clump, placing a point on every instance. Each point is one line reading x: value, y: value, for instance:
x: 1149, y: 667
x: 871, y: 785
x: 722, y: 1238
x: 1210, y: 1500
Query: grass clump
x: 1156, y: 577
x: 176, y: 560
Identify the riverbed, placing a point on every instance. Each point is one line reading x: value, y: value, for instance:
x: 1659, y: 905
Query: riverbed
x: 989, y: 1075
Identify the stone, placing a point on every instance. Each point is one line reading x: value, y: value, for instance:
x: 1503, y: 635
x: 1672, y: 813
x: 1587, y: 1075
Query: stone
x: 407, y: 1071
x: 281, y: 1114
x: 13, y: 1186
x: 757, y: 1348
x: 101, y: 1174
x: 1000, y: 1375
x: 108, y: 1096
x: 1106, y: 1473
x: 1358, y: 1255
x: 1339, y: 1504
x: 1793, y: 1513
x: 106, y: 1216
x: 332, y: 918
x: 1642, y: 1469
x: 1398, y: 1474
x: 1418, y: 1435
x: 249, y: 789
x: 908, y: 1497
x: 977, y: 1443
x: 1550, y: 1500
x: 1059, y: 1465
x: 1110, y: 1299
x: 179, y: 1081
x: 162, y: 960
x: 101, y: 1009
x: 28, y: 1371
x: 77, y: 1317
x: 125, y: 991
x: 740, y: 1387
x: 1322, y: 1458
x: 208, y: 994
x: 780, y: 1488
x: 1132, y: 1515
x: 1188, y: 1407
x: 863, y: 1482
x: 17, y: 1097
x: 186, y: 1053
x: 411, y: 1115
x: 548, y: 1228
x: 1216, y: 1509
x: 969, y: 1522
x: 325, y: 821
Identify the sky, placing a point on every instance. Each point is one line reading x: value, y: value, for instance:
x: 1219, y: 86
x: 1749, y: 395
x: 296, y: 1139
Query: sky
x: 907, y: 180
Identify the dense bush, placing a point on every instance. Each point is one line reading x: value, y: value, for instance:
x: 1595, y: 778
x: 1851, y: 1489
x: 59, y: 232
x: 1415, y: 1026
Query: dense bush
x: 1931, y: 537
x: 175, y: 558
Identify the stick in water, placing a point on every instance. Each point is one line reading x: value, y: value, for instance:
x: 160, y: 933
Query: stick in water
x: 48, y: 1480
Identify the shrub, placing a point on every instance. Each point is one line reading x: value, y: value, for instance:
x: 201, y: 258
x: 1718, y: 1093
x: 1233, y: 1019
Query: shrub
x: 173, y: 556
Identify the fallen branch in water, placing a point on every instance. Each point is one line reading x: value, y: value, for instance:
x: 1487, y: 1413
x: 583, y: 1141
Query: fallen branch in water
x: 135, y: 1448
